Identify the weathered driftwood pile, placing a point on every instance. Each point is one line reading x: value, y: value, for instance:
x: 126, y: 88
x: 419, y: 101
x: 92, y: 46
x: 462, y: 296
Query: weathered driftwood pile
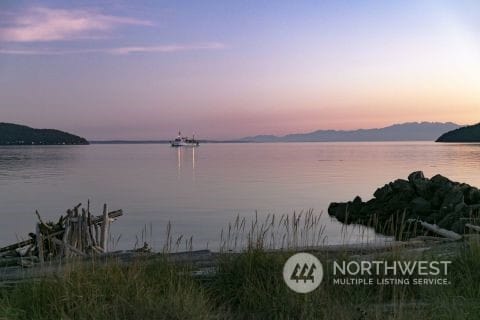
x: 78, y: 233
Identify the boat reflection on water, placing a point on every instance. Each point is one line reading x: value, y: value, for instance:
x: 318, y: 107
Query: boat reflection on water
x: 185, y: 155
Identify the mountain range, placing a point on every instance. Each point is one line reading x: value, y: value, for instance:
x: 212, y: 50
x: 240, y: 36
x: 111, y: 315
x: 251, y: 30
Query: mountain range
x: 410, y: 131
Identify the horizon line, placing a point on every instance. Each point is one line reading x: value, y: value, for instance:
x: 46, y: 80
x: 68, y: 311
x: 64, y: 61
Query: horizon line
x: 156, y: 140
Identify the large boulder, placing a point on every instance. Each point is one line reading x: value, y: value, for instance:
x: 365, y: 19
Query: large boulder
x: 420, y: 184
x: 423, y: 188
x: 383, y: 192
x: 453, y: 197
x: 404, y: 188
x: 472, y: 195
x: 417, y: 175
x: 420, y: 206
x: 441, y: 182
x: 344, y: 211
x: 338, y: 210
x: 437, y: 199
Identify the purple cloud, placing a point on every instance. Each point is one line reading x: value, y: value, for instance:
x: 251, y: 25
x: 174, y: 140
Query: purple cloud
x: 46, y: 24
x: 119, y: 50
x: 166, y: 48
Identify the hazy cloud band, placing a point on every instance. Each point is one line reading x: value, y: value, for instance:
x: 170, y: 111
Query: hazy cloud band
x: 41, y: 24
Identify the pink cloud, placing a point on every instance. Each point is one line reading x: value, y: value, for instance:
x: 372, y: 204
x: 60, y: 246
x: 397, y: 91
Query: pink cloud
x: 166, y: 48
x: 46, y: 24
x: 119, y: 50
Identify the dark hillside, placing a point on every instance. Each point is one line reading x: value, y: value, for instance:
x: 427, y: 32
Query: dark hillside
x: 14, y: 134
x: 464, y: 134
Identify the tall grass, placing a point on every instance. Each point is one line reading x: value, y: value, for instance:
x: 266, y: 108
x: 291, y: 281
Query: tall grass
x: 247, y: 284
x: 252, y: 287
x: 154, y: 290
x: 303, y: 229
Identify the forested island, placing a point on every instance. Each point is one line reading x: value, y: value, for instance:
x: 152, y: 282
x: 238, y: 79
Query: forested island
x: 14, y: 134
x: 464, y: 134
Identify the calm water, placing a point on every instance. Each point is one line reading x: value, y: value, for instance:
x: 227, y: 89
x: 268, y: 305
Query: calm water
x: 201, y: 190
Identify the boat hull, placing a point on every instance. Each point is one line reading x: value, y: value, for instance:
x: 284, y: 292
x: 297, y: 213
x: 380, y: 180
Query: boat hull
x: 182, y: 141
x: 184, y: 144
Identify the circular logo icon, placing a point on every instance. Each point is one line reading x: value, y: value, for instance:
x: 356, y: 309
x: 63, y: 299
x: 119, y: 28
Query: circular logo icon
x: 303, y: 272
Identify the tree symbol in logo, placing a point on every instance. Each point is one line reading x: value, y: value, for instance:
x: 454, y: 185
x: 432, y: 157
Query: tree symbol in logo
x: 305, y: 274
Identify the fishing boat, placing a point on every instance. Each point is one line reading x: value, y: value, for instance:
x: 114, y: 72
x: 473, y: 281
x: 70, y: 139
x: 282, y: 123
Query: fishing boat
x: 181, y: 141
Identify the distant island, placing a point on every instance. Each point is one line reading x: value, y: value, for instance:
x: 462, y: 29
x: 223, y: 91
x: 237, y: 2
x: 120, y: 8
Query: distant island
x: 410, y: 131
x: 14, y: 134
x: 463, y: 134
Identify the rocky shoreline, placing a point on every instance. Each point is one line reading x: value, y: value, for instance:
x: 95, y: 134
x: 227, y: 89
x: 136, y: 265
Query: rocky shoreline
x: 437, y: 200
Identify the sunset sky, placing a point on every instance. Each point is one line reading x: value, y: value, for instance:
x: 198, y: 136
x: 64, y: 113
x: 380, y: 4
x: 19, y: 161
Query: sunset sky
x: 227, y: 69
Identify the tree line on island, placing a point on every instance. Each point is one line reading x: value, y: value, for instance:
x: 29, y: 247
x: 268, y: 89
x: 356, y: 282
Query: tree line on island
x: 14, y: 134
x: 463, y: 134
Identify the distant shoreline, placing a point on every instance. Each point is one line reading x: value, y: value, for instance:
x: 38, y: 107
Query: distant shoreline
x: 157, y: 141
x: 243, y: 142
x: 163, y: 142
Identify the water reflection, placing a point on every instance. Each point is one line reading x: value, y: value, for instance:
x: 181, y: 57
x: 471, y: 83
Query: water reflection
x: 185, y: 154
x: 201, y: 190
x: 26, y: 162
x: 179, y: 161
x: 193, y: 159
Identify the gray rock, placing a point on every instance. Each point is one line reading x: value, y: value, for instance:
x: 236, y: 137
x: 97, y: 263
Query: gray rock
x: 472, y: 196
x: 452, y: 221
x: 396, y: 204
x: 441, y: 181
x: 420, y: 206
x: 475, y: 196
x: 435, y: 216
x: 338, y: 210
x: 460, y: 208
x: 357, y: 200
x: 458, y: 226
x: 383, y: 192
x: 417, y: 175
x: 402, y: 186
x: 437, y: 200
x: 422, y: 188
x: 355, y: 207
x: 454, y: 197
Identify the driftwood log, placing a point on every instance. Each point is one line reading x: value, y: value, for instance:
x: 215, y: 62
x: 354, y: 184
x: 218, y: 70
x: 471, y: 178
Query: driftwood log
x: 437, y: 230
x: 473, y: 227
